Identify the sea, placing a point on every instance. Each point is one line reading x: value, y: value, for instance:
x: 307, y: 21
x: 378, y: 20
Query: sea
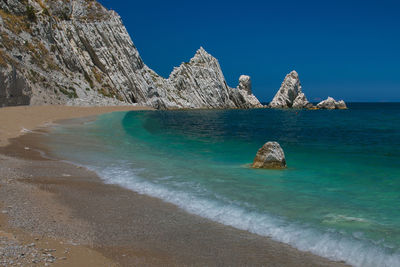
x: 338, y: 198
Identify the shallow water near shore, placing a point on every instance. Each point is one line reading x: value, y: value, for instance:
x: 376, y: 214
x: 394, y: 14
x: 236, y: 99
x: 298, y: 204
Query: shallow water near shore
x: 339, y: 197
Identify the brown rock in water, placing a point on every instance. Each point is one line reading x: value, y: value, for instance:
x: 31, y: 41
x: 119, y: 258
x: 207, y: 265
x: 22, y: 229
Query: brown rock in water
x: 270, y: 156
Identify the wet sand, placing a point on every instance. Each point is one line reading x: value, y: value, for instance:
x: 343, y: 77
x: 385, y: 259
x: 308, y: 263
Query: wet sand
x: 15, y: 121
x: 64, y: 203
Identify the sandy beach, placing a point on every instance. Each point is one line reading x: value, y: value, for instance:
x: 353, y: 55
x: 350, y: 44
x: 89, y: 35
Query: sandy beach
x: 59, y: 214
x: 19, y: 120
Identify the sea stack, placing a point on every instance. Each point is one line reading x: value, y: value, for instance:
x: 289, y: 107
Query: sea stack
x: 290, y: 94
x: 331, y: 103
x: 245, y: 84
x: 242, y: 96
x: 270, y: 156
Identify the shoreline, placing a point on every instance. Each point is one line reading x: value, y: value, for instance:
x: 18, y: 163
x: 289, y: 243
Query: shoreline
x: 18, y: 120
x: 20, y: 243
x: 120, y: 225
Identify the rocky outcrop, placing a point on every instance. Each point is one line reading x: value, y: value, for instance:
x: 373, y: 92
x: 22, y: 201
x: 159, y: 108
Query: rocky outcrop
x: 16, y: 7
x: 270, y: 156
x: 76, y: 52
x: 15, y: 91
x: 245, y: 84
x: 243, y: 96
x: 200, y: 83
x: 290, y: 94
x: 331, y: 103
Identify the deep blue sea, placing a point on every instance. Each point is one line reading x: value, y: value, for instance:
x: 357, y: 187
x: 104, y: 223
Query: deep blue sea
x: 338, y: 198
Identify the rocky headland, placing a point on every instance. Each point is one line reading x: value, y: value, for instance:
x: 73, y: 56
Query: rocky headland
x: 79, y: 53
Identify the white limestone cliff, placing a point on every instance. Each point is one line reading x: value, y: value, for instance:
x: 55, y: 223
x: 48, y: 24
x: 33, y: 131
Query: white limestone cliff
x: 289, y: 94
x: 200, y: 83
x: 76, y: 52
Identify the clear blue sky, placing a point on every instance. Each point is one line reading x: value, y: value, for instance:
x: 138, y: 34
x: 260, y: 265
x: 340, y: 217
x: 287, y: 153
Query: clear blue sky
x: 344, y: 49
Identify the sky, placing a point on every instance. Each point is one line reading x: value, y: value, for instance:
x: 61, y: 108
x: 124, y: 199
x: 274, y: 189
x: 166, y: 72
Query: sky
x: 345, y: 49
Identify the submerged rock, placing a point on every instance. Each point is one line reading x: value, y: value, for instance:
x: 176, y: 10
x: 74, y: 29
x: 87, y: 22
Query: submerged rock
x: 270, y: 156
x: 290, y: 94
x: 331, y: 103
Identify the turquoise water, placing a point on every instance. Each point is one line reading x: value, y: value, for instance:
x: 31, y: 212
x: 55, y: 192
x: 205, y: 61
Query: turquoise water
x: 339, y: 197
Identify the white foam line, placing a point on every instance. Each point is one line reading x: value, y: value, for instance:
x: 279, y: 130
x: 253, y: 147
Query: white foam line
x: 331, y: 245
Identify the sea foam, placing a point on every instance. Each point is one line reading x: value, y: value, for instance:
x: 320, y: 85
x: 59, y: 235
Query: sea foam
x: 329, y: 244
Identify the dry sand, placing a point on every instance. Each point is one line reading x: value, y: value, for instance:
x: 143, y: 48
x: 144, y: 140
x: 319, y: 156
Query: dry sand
x: 19, y: 242
x: 64, y: 207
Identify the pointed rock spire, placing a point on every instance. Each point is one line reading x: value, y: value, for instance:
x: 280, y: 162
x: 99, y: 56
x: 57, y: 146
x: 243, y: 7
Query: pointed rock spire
x: 290, y: 94
x: 245, y: 83
x: 202, y: 56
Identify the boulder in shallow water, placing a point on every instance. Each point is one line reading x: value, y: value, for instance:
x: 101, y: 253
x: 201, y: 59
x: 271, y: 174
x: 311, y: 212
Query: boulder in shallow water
x: 270, y: 156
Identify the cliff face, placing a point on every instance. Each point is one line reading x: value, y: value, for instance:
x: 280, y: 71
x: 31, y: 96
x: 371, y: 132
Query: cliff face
x: 76, y: 52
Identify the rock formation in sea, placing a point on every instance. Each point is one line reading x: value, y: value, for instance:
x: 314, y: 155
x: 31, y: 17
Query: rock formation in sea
x: 270, y: 156
x: 76, y: 52
x: 331, y: 103
x: 245, y: 84
x: 290, y: 94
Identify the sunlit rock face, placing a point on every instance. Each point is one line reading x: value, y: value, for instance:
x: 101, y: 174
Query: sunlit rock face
x: 270, y: 156
x: 77, y: 52
x: 245, y: 83
x: 331, y: 103
x: 289, y: 94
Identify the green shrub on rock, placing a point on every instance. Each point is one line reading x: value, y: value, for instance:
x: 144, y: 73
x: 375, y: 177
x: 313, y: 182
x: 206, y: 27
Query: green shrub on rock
x: 30, y: 13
